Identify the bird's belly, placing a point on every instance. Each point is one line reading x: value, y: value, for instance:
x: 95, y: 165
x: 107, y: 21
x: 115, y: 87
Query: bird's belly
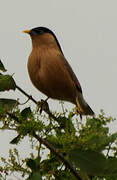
x: 52, y: 79
x: 53, y: 87
x: 56, y: 87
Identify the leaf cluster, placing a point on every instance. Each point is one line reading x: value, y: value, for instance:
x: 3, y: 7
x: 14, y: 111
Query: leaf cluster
x: 78, y: 149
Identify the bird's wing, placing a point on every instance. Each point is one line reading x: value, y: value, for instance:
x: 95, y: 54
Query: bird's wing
x: 71, y: 73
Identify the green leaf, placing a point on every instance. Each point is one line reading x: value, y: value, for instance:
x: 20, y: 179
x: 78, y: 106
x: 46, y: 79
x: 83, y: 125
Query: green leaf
x: 2, y: 68
x: 98, y: 141
x: 33, y: 164
x: 94, y: 163
x: 26, y: 112
x: 91, y: 162
x: 35, y: 176
x: 112, y: 137
x: 7, y: 83
x: 111, y: 168
x: 7, y: 104
x: 16, y: 140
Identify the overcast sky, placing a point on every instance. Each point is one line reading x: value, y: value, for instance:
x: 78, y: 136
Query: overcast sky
x: 87, y: 32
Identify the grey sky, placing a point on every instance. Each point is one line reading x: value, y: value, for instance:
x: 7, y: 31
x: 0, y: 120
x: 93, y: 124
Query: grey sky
x: 87, y: 32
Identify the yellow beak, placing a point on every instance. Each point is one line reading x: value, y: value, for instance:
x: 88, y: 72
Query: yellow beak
x: 26, y: 31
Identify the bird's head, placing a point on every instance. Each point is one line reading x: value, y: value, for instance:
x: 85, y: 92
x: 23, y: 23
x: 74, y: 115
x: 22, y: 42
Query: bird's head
x: 38, y: 31
x: 43, y: 35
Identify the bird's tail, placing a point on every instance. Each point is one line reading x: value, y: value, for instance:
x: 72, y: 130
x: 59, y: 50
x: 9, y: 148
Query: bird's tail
x: 83, y: 107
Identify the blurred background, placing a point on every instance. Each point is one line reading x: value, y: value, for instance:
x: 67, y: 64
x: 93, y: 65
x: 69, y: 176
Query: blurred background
x: 87, y: 32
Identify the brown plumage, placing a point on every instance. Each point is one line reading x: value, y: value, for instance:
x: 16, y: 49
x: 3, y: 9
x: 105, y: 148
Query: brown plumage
x: 51, y: 73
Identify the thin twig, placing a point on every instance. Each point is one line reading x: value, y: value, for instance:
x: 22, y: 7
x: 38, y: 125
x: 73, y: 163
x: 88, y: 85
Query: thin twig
x: 36, y: 102
x: 52, y: 149
x: 46, y: 143
x: 30, y: 97
x: 13, y: 116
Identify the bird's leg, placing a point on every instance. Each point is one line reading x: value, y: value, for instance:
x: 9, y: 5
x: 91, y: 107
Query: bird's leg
x: 78, y: 113
x: 43, y: 105
x: 78, y: 109
x: 80, y: 116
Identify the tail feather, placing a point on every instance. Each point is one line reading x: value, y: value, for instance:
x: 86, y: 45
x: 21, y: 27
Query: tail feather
x: 83, y: 107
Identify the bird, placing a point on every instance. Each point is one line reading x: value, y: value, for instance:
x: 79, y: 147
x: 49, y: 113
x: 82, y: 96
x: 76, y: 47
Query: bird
x: 51, y: 73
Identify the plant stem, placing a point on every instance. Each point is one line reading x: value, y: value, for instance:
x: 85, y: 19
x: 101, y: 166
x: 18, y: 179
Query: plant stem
x: 59, y: 155
x: 46, y: 143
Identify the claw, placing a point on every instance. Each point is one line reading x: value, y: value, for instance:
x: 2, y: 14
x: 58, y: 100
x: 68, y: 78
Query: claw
x: 43, y: 105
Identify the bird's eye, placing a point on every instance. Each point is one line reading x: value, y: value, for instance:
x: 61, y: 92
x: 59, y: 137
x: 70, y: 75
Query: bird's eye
x: 36, y: 32
x: 41, y: 32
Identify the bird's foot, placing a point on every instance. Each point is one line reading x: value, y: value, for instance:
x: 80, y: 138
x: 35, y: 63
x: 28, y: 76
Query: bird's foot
x: 43, y: 106
x: 78, y: 113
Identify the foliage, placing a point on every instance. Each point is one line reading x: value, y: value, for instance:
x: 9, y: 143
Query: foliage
x: 79, y: 149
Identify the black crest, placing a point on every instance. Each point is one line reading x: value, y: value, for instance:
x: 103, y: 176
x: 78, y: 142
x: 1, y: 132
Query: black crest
x: 42, y: 30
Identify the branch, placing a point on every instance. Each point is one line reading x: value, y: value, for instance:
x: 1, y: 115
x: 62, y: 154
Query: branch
x: 59, y: 155
x: 51, y: 148
x: 36, y: 102
x: 29, y: 97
